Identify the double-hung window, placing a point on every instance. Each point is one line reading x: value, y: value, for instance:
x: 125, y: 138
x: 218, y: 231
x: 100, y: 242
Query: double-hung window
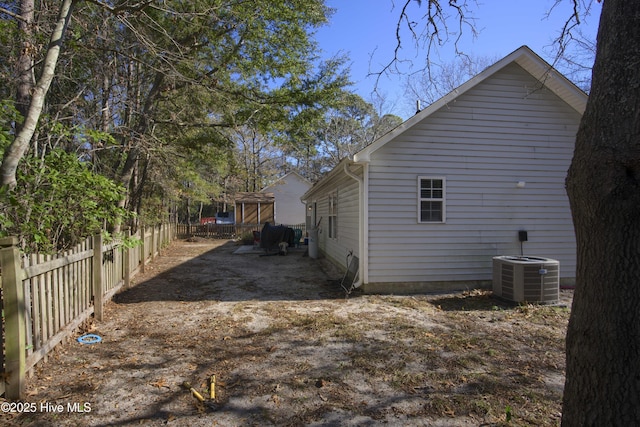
x: 431, y: 199
x: 333, y: 215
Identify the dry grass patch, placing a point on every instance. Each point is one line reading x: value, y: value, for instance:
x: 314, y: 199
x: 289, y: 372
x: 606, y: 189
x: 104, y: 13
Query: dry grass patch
x: 302, y: 358
x: 463, y: 355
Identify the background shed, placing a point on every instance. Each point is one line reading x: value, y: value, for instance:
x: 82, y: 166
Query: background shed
x: 254, y: 208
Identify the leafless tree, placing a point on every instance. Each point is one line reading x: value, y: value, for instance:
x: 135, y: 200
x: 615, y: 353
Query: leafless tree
x: 443, y: 78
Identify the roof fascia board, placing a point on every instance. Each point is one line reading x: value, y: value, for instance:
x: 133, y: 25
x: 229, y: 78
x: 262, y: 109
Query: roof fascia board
x: 555, y: 81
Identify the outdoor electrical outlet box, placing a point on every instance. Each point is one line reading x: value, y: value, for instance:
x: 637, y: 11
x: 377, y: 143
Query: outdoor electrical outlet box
x: 522, y: 236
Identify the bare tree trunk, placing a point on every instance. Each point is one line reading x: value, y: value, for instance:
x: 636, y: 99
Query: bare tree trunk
x: 20, y: 144
x: 133, y: 155
x: 104, y: 103
x: 24, y: 65
x: 603, y: 340
x: 188, y: 201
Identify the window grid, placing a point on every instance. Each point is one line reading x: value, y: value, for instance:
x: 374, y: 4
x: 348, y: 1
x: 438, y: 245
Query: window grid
x: 431, y: 193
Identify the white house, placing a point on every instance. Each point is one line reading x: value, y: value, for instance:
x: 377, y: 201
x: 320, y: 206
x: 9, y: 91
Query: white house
x: 287, y: 191
x: 428, y: 205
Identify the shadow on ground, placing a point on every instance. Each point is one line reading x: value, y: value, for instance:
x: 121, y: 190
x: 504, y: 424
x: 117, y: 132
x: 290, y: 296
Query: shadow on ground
x: 196, y: 272
x: 472, y: 301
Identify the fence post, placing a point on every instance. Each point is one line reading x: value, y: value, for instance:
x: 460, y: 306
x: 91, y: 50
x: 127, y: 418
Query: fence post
x: 126, y: 253
x: 14, y: 317
x: 165, y: 234
x: 143, y: 252
x: 153, y: 242
x: 98, y: 287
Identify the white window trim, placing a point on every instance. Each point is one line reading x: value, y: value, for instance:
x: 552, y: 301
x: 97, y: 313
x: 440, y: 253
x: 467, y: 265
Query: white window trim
x: 443, y: 199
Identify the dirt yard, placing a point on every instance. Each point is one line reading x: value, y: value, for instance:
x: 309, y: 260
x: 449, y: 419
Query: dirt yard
x: 288, y: 349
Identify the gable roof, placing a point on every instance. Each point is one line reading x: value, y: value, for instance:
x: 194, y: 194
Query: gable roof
x: 523, y: 56
x: 284, y: 178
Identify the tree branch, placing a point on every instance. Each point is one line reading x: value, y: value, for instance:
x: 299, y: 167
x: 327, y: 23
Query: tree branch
x: 570, y: 34
x: 123, y: 7
x: 12, y: 14
x: 434, y: 33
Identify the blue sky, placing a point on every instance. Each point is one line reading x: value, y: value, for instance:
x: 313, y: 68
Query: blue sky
x: 362, y: 28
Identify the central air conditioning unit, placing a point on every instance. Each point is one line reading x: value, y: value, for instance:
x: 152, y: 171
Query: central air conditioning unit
x: 526, y: 279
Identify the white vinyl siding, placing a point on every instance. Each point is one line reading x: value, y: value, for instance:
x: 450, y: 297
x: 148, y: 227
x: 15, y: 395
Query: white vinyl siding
x: 347, y: 202
x: 505, y: 130
x: 288, y: 209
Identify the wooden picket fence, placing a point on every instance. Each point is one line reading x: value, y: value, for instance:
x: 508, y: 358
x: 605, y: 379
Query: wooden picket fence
x: 224, y: 231
x: 46, y: 298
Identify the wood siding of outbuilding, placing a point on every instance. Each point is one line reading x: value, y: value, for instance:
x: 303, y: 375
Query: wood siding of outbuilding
x: 506, y: 129
x: 254, y: 208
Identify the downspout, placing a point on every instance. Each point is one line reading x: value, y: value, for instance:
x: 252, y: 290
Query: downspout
x: 361, y: 221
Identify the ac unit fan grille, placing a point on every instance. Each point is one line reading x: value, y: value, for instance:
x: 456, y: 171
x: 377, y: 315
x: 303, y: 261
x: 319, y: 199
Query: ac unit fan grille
x: 541, y: 287
x: 507, y: 281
